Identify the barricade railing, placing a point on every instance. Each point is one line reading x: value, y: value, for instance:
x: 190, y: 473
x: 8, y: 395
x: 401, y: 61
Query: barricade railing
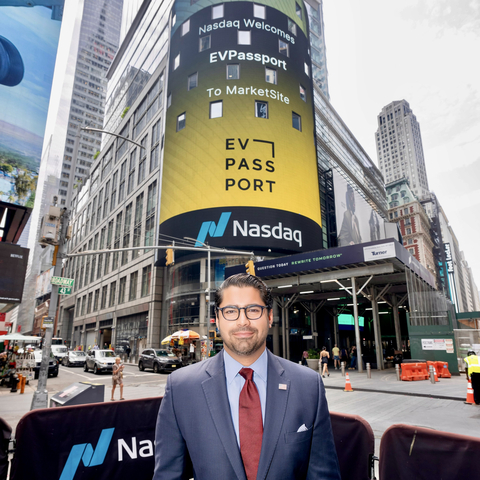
x: 122, y: 435
x: 408, y: 452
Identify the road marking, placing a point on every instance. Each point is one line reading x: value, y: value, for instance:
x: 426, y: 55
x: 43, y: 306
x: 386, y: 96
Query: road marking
x: 79, y: 374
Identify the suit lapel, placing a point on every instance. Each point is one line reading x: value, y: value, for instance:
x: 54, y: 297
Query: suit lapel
x: 276, y: 407
x: 215, y: 391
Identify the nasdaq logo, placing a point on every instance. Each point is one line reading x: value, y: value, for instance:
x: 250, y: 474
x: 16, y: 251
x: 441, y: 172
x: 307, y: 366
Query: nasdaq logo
x: 213, y: 229
x: 84, y: 452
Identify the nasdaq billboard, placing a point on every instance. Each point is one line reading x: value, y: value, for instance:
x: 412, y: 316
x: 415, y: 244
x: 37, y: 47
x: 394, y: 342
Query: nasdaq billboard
x: 28, y: 49
x: 240, y: 166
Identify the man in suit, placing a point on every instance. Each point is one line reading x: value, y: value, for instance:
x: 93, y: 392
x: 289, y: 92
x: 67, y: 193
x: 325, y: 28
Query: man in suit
x: 219, y: 419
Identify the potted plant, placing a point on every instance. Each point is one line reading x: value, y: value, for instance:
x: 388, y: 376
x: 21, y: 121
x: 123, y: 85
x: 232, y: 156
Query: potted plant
x: 313, y: 358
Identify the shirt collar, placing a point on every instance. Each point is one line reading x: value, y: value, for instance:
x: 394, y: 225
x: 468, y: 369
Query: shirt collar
x: 232, y: 367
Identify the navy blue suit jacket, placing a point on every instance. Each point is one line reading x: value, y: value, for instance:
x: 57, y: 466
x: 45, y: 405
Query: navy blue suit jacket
x: 195, y: 424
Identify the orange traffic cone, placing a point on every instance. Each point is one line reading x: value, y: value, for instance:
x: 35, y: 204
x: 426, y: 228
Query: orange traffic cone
x: 470, y: 398
x: 348, y: 385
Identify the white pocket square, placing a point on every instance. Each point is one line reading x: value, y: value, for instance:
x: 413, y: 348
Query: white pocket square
x: 303, y: 428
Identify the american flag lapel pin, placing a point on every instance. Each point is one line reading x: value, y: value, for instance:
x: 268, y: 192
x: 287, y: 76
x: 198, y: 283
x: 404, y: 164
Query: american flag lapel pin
x: 282, y: 386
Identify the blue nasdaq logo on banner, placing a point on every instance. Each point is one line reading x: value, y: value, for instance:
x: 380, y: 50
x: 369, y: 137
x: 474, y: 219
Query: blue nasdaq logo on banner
x: 212, y: 229
x: 86, y: 453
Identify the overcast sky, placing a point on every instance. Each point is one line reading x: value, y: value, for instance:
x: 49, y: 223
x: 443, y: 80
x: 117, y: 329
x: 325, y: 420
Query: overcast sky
x: 426, y: 52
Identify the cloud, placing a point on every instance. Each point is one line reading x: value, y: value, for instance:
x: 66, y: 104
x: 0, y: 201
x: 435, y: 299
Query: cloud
x: 463, y: 15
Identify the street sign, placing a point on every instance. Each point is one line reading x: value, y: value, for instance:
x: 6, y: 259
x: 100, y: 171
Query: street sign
x: 47, y: 322
x: 64, y: 282
x: 65, y: 290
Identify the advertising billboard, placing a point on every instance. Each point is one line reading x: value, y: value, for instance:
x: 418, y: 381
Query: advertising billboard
x: 240, y: 166
x: 28, y: 48
x: 357, y: 221
x: 13, y: 265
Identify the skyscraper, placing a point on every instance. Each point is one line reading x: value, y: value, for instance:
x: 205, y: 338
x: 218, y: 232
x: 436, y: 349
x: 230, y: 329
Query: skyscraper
x: 399, y: 147
x: 98, y: 43
x: 89, y: 39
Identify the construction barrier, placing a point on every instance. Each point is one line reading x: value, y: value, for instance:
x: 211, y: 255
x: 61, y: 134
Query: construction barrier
x: 442, y: 370
x: 414, y: 371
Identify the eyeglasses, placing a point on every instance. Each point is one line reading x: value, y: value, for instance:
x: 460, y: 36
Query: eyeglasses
x: 232, y: 312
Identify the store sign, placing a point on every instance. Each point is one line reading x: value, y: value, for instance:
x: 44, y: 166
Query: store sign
x: 448, y: 257
x: 377, y: 252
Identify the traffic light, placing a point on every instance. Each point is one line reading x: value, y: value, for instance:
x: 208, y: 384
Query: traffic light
x: 250, y: 266
x: 170, y: 256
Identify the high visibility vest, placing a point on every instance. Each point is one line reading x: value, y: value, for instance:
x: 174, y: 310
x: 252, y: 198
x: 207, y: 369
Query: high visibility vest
x: 473, y: 364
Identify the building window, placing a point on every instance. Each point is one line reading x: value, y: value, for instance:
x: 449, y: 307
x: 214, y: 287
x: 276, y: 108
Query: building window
x: 121, y: 187
x: 409, y: 231
x: 283, y: 47
x: 96, y: 299
x: 307, y: 70
x: 185, y: 27
x: 261, y: 109
x: 137, y: 226
x: 133, y: 286
x: 192, y: 81
x: 103, y: 301
x: 271, y: 75
x: 176, y: 62
x: 216, y: 109
x: 146, y: 280
x: 205, y: 43
x: 292, y: 27
x: 296, y: 121
x: 410, y: 241
x: 298, y: 10
x: 142, y: 164
x: 181, y: 119
x: 412, y: 251
x: 126, y: 232
x: 259, y: 11
x: 303, y: 94
x: 244, y: 37
x: 113, y: 292
x: 89, y: 304
x: 131, y: 172
x: 217, y: 11
x: 233, y: 72
x: 121, y: 290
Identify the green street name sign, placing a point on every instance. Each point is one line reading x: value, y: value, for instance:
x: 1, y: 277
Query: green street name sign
x: 65, y: 290
x: 63, y: 282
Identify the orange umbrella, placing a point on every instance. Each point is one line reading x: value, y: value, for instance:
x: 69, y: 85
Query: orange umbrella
x: 186, y: 335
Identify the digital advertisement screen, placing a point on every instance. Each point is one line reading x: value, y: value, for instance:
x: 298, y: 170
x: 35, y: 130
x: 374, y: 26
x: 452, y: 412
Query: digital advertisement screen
x: 28, y: 48
x: 240, y: 167
x: 347, y: 322
x: 357, y: 221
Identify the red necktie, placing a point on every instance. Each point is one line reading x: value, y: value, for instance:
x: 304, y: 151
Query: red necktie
x: 250, y: 424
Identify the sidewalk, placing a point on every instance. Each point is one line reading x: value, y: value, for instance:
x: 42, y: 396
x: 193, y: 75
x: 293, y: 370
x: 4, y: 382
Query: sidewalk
x: 385, y: 381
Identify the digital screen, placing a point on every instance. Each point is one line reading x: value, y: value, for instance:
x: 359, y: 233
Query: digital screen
x: 347, y: 322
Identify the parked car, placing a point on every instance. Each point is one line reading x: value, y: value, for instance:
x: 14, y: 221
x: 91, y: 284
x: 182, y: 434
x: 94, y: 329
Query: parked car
x: 59, y: 352
x: 74, y: 358
x: 99, y: 361
x: 160, y: 360
x: 52, y: 364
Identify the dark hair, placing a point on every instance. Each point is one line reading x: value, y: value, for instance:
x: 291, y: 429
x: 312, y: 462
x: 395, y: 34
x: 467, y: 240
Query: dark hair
x: 245, y: 280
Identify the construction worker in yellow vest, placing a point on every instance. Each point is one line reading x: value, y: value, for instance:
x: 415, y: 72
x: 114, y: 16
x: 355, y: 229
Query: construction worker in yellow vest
x: 473, y: 372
